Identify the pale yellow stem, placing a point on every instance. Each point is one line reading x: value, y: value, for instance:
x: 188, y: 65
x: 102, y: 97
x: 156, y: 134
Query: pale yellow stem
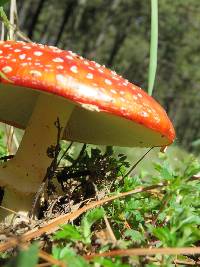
x: 24, y: 174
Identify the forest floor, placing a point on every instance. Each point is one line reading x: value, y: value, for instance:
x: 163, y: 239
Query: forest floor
x: 95, y: 213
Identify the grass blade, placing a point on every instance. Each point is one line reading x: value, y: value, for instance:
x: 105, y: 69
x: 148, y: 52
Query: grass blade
x: 153, y: 45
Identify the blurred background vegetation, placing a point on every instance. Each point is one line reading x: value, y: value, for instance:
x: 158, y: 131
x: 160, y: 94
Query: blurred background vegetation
x: 117, y: 33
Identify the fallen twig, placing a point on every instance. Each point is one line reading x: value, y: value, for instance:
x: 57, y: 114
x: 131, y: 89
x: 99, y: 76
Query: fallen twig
x: 145, y: 251
x: 47, y: 257
x: 188, y: 263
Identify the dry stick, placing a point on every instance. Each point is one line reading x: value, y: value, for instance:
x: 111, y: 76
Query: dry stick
x: 110, y: 231
x: 9, y: 129
x: 108, y: 226
x: 11, y: 211
x: 12, y: 19
x: 188, y: 263
x: 2, y: 31
x: 9, y: 136
x: 47, y: 257
x: 133, y: 167
x: 14, y: 212
x: 10, y: 132
x: 16, y: 22
x: 44, y: 264
x: 54, y: 224
x: 145, y: 251
x: 65, y: 153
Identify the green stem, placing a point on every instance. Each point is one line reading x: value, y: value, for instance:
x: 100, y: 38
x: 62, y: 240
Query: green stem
x: 153, y: 45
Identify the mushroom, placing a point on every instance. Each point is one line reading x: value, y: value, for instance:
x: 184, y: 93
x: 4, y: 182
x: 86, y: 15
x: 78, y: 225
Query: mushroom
x: 95, y: 105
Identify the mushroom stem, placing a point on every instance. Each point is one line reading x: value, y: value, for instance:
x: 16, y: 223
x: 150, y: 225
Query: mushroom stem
x: 14, y: 202
x: 24, y: 173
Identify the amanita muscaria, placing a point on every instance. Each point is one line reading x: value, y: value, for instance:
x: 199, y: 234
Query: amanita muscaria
x: 93, y: 104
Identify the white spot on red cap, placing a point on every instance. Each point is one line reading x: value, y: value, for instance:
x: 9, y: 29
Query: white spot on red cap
x: 144, y: 114
x: 17, y: 50
x: 21, y: 42
x: 140, y: 95
x: 86, y: 62
x: 72, y: 53
x: 89, y: 76
x: 74, y: 69
x: 61, y: 79
x: 69, y: 57
x: 26, y: 47
x: 122, y: 99
x: 37, y: 53
x: 97, y: 65
x: 7, y: 45
x: 115, y: 78
x: 58, y: 59
x: 6, y: 69
x: 1, y: 51
x: 135, y: 97
x: 125, y: 83
x: 113, y: 72
x: 107, y: 81
x: 100, y: 70
x: 113, y: 91
x: 60, y: 67
x: 35, y: 73
x: 23, y: 56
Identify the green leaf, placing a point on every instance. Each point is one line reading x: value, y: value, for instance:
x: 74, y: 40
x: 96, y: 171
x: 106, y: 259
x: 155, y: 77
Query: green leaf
x: 68, y: 231
x: 89, y: 219
x: 135, y: 236
x: 110, y: 262
x: 166, y: 236
x: 25, y: 258
x: 69, y: 256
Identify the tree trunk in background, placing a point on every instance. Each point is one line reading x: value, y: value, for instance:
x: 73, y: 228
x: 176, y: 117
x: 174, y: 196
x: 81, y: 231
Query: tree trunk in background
x: 107, y: 23
x: 23, y: 8
x: 26, y: 14
x: 118, y: 42
x: 35, y: 18
x: 68, y: 12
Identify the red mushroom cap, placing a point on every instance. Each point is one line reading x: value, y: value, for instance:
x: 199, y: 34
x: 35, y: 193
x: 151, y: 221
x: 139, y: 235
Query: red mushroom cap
x: 90, y: 86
